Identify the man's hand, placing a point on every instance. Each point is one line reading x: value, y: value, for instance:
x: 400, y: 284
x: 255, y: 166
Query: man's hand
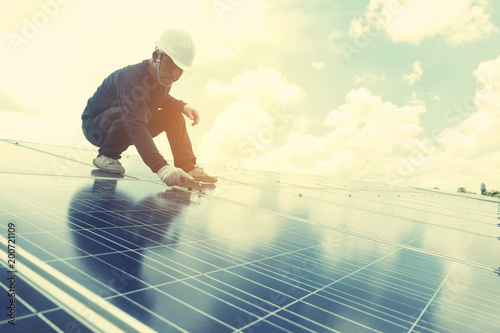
x: 192, y: 114
x: 171, y: 175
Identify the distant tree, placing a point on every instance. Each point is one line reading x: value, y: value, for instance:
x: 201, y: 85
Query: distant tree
x: 461, y: 190
x: 483, y: 188
x: 493, y: 193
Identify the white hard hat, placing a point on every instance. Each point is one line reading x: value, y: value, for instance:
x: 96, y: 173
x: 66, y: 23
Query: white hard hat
x: 179, y: 46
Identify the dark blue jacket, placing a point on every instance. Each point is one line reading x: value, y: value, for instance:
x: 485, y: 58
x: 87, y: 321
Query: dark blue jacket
x: 135, y: 90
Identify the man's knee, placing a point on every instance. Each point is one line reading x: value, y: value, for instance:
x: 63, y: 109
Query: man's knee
x: 96, y: 137
x: 109, y: 116
x: 96, y: 129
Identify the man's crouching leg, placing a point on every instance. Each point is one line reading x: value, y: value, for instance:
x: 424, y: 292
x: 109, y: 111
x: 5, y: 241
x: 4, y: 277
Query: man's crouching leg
x: 107, y: 132
x: 174, y: 125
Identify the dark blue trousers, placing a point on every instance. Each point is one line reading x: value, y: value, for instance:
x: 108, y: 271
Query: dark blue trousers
x: 107, y: 132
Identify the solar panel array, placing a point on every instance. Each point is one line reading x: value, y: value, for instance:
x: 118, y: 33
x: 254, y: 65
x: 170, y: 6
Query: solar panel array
x: 260, y: 252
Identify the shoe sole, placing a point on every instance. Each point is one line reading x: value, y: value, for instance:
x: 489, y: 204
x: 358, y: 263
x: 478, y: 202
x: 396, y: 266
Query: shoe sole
x: 110, y: 170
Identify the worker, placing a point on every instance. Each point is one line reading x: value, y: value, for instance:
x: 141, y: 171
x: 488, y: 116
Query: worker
x: 133, y: 105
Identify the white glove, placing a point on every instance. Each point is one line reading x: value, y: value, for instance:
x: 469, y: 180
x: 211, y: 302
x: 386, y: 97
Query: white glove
x: 173, y: 176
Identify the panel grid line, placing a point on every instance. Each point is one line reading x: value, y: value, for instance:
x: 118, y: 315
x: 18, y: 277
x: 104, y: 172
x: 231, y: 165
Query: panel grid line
x: 320, y: 289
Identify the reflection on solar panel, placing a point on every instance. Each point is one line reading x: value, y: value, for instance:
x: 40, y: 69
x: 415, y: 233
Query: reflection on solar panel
x: 260, y: 252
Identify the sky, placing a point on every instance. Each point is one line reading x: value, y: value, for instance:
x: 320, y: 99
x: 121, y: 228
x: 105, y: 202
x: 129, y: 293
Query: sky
x: 405, y: 92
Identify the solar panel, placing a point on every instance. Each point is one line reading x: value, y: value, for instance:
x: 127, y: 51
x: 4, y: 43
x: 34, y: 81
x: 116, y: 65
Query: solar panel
x: 260, y: 252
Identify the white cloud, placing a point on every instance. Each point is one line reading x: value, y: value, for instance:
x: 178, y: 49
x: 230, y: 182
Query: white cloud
x: 488, y: 77
x: 379, y: 141
x: 264, y: 82
x: 357, y: 28
x: 458, y: 21
x: 365, y: 132
x: 415, y: 75
x: 302, y: 122
x: 223, y: 52
x: 240, y: 122
x: 364, y: 109
x: 223, y: 27
x: 239, y: 18
x: 368, y: 78
x: 248, y: 126
x: 414, y: 100
x: 318, y: 65
x: 478, y: 134
x: 468, y: 153
x: 302, y: 153
x: 333, y: 35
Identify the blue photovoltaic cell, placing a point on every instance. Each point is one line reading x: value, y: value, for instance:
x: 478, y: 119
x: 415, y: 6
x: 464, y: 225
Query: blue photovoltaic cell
x: 260, y: 252
x: 32, y: 309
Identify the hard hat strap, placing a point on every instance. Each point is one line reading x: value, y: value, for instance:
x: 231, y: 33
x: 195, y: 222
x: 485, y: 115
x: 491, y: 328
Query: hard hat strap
x: 158, y: 63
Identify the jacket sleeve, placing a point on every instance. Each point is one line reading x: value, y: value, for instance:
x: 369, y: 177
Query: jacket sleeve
x: 171, y: 103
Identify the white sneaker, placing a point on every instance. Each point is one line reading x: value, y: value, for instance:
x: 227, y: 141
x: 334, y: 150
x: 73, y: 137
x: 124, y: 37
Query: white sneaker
x: 108, y: 164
